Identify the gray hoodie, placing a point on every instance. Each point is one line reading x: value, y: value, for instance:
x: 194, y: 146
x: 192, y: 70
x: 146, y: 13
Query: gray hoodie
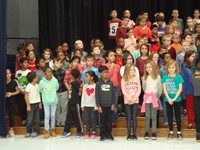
x: 104, y: 93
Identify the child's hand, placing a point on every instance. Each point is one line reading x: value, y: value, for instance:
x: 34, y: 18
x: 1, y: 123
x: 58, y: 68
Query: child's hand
x: 100, y: 109
x: 28, y: 108
x: 170, y: 102
x: 82, y: 108
x: 95, y: 109
x: 22, y: 92
x: 112, y: 107
x: 9, y: 94
x: 40, y: 106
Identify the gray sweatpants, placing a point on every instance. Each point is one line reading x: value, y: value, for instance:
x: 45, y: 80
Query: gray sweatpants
x: 62, y: 106
x: 151, y: 113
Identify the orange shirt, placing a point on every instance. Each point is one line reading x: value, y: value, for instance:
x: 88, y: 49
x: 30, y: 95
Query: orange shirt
x: 176, y: 46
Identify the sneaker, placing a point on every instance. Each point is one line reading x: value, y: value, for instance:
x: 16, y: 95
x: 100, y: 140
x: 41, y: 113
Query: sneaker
x: 198, y: 137
x: 78, y: 135
x: 87, y: 136
x: 110, y: 137
x: 179, y: 136
x: 129, y: 137
x: 66, y: 134
x: 154, y: 137
x: 93, y: 136
x: 134, y: 137
x: 23, y: 123
x: 170, y: 136
x: 102, y: 138
x: 11, y: 133
x: 34, y: 134
x: 27, y: 135
x: 146, y: 136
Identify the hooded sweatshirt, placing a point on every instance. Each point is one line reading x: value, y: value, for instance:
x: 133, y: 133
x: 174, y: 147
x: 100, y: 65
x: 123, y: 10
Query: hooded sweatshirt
x: 104, y: 93
x: 48, y: 88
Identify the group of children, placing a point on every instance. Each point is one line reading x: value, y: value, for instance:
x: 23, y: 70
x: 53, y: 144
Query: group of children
x: 144, y: 70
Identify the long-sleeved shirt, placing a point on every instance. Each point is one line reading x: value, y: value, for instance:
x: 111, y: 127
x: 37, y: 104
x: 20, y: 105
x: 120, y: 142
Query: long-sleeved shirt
x: 114, y: 74
x: 140, y: 65
x: 138, y: 31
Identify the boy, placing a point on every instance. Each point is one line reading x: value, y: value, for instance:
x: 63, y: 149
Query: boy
x: 21, y: 54
x: 121, y: 44
x: 175, y: 15
x: 174, y: 23
x: 73, y: 113
x: 61, y: 110
x: 159, y: 23
x: 33, y: 102
x: 90, y: 67
x: 48, y: 87
x: 176, y: 42
x: 21, y: 79
x: 105, y: 100
x: 62, y: 57
x: 65, y: 49
x: 154, y: 40
x: 121, y: 31
x: 98, y: 59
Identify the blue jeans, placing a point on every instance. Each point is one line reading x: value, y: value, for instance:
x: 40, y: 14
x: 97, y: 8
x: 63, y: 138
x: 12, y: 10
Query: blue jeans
x: 115, y: 112
x: 49, y: 114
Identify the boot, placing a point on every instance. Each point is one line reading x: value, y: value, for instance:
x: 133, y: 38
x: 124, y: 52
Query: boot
x: 46, y: 134
x: 53, y: 132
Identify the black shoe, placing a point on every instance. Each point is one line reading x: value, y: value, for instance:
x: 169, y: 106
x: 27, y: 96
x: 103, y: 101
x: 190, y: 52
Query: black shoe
x: 134, y: 137
x: 170, y: 136
x: 129, y: 137
x: 179, y: 136
x: 110, y: 137
x: 198, y: 137
x: 154, y: 137
x: 146, y: 136
x: 102, y: 138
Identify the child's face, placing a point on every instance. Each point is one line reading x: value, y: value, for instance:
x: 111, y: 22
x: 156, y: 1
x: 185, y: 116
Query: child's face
x: 142, y: 22
x: 190, y: 23
x: 125, y: 21
x: 88, y: 78
x: 46, y: 55
x: 75, y: 63
x: 188, y: 38
x: 59, y: 49
x: 119, y: 52
x: 167, y: 42
x: 196, y: 14
x: 65, y: 47
x: 127, y: 13
x: 61, y: 56
x: 35, y: 80
x: 148, y: 68
x: 172, y: 69
x: 175, y: 13
x: 155, y: 58
x: 141, y: 42
x: 130, y: 33
x: 78, y: 53
x: 111, y: 57
x: 41, y: 63
x: 129, y: 59
x: 104, y: 74
x: 144, y: 50
x: 174, y: 24
x: 21, y: 52
x: 96, y: 51
x: 187, y: 31
x: 113, y: 14
x: 145, y: 40
x: 30, y: 47
x: 160, y: 23
x: 191, y: 58
x: 31, y: 56
x: 197, y: 29
x: 155, y: 31
x: 25, y: 64
x: 48, y: 74
x: 121, y: 42
x: 8, y: 74
x: 167, y: 58
x: 171, y: 30
x: 132, y: 71
x: 145, y: 15
x: 176, y: 39
x: 185, y: 46
x: 97, y: 43
x: 90, y: 62
x: 57, y: 64
x: 162, y: 50
x: 79, y: 45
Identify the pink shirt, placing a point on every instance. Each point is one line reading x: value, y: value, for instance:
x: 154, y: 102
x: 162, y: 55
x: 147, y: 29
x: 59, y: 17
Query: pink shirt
x: 130, y: 44
x: 114, y: 74
x: 131, y: 89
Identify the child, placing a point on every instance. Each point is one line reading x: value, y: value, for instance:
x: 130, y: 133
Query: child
x: 196, y: 84
x: 48, y: 87
x: 61, y: 109
x: 118, y: 59
x: 151, y: 84
x: 161, y: 25
x: 99, y: 43
x: 145, y: 14
x: 141, y: 28
x: 156, y: 58
x: 21, y: 80
x: 166, y: 39
x: 176, y: 42
x: 175, y: 15
x: 58, y: 49
x: 48, y: 56
x: 78, y: 44
x: 12, y: 90
x: 196, y: 15
x: 130, y: 42
x: 190, y: 24
x: 172, y: 86
x: 131, y: 89
x: 114, y: 76
x: 29, y: 46
x: 62, y: 57
x: 127, y: 14
x: 90, y: 67
x: 33, y: 102
x: 40, y: 67
x: 105, y: 100
x: 121, y: 31
x: 188, y: 88
x: 161, y: 50
x: 188, y: 38
x: 82, y: 65
x: 121, y: 44
x: 65, y: 49
x: 88, y: 103
x: 169, y: 30
x: 73, y: 113
x: 154, y: 40
x: 98, y: 59
x: 136, y: 52
x: 174, y: 23
x: 31, y: 60
x: 140, y: 61
x: 21, y: 54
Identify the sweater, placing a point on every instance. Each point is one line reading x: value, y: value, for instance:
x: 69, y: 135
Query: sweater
x: 138, y: 31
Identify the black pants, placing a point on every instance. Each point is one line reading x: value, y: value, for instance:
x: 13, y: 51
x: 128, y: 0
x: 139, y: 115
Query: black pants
x: 22, y: 106
x: 10, y: 106
x: 197, y: 113
x: 90, y: 118
x: 73, y: 114
x: 33, y: 117
x: 106, y: 122
x: 176, y: 107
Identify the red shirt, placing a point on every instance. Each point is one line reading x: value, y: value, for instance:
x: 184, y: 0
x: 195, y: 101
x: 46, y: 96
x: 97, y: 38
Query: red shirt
x: 138, y: 31
x: 67, y: 77
x: 148, y: 24
x: 172, y: 52
x: 114, y: 74
x: 118, y: 60
x: 154, y: 44
x: 140, y: 65
x: 32, y: 65
x: 99, y: 61
x: 121, y: 33
x: 17, y: 64
x: 112, y: 27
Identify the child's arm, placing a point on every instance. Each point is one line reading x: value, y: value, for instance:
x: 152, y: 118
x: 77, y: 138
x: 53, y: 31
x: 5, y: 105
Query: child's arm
x: 178, y: 92
x: 124, y: 90
x: 27, y: 101
x: 137, y: 94
x: 97, y: 98
x: 159, y: 87
x: 10, y: 94
x: 166, y: 94
x: 83, y: 98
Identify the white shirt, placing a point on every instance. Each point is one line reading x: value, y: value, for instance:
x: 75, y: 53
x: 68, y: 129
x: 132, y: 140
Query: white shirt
x: 33, y: 93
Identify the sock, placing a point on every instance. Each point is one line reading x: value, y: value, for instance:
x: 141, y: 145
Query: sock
x: 179, y: 132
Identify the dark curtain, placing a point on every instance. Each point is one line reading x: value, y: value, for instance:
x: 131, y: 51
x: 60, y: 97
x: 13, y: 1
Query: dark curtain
x: 3, y: 131
x: 69, y: 20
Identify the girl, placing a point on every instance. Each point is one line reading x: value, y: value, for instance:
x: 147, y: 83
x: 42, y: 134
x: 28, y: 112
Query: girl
x: 29, y: 46
x: 78, y: 44
x: 118, y: 59
x: 151, y: 84
x: 128, y: 59
x: 31, y: 60
x: 188, y: 38
x: 21, y: 54
x: 79, y: 53
x: 48, y: 56
x: 40, y: 68
x: 196, y: 84
x: 130, y: 42
x: 172, y: 86
x: 144, y: 53
x: 12, y: 89
x: 141, y: 27
x: 136, y: 52
x: 169, y: 30
x: 114, y: 76
x: 156, y: 58
x: 145, y: 14
x: 190, y: 24
x: 188, y: 88
x: 131, y: 89
x: 196, y: 15
x: 88, y: 103
x: 127, y: 14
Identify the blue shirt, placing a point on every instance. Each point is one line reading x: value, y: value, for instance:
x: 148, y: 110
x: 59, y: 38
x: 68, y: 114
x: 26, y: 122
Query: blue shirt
x: 89, y: 69
x: 172, y: 86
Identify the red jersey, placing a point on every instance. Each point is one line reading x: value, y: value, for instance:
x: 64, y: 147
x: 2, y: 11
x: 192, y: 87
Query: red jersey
x: 32, y: 65
x: 112, y: 27
x: 121, y: 33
